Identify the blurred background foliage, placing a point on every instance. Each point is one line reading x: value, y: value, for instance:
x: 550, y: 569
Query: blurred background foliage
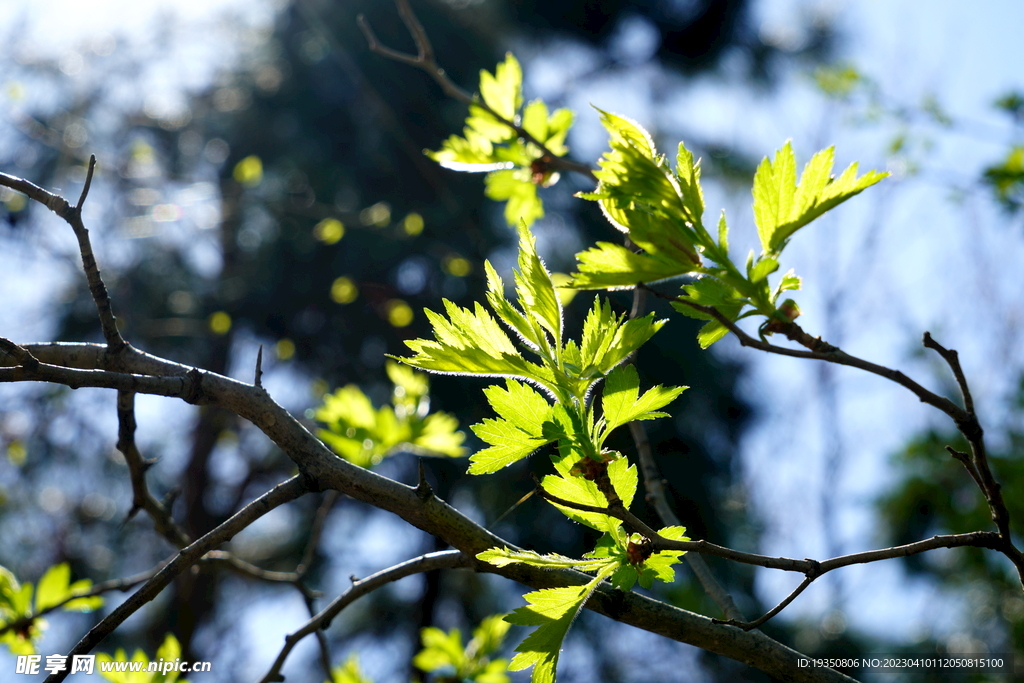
x: 286, y: 201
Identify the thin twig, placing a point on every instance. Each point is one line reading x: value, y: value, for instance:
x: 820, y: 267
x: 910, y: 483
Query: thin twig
x: 823, y: 351
x: 979, y: 467
x: 142, y: 498
x: 424, y: 59
x: 446, y: 559
x: 980, y: 539
x: 282, y: 493
x: 72, y: 215
x: 750, y: 625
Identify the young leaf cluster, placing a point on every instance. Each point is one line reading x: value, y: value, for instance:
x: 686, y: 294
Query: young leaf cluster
x: 444, y: 654
x: 618, y: 557
x: 661, y: 210
x: 365, y: 435
x: 54, y: 588
x: 472, y: 342
x: 168, y: 651
x: 515, y: 167
x: 545, y: 399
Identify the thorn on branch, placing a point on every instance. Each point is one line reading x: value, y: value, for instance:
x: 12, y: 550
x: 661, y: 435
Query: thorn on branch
x: 259, y: 367
x: 423, y: 488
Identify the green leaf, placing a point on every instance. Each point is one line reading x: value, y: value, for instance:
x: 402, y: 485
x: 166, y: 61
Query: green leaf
x: 620, y: 404
x: 711, y: 332
x: 688, y: 174
x: 781, y: 207
x: 517, y: 188
x: 627, y: 338
x: 520, y: 405
x: 412, y: 384
x: 535, y: 289
x: 364, y: 435
x: 508, y: 444
x: 723, y: 235
x: 764, y: 267
x: 489, y: 635
x: 612, y: 266
x: 535, y: 120
x: 348, y: 672
x: 789, y: 281
x: 470, y: 342
x: 552, y: 610
x: 502, y: 557
x: 503, y: 91
x: 582, y: 491
x: 53, y: 586
x: 440, y: 650
x: 559, y: 123
x: 661, y: 563
x: 530, y: 333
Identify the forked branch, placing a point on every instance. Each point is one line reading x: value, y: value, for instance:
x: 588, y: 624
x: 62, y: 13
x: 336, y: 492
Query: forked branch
x: 425, y: 60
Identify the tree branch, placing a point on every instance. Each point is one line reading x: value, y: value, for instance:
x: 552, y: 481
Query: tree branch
x: 84, y: 365
x: 658, y: 498
x: 446, y: 559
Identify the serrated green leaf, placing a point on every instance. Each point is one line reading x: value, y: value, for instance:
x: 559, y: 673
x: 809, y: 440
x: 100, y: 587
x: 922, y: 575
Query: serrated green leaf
x: 661, y: 563
x: 508, y: 313
x: 552, y: 610
x: 515, y: 187
x: 520, y: 405
x: 502, y: 557
x: 789, y: 281
x: 723, y: 234
x: 781, y: 207
x: 509, y: 444
x: 688, y: 174
x: 627, y: 132
x: 535, y: 289
x: 582, y: 491
x: 627, y: 338
x: 710, y: 291
x: 470, y: 342
x: 621, y: 405
x: 612, y: 266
